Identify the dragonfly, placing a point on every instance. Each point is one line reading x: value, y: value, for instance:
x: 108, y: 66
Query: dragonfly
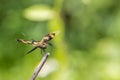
x: 42, y: 44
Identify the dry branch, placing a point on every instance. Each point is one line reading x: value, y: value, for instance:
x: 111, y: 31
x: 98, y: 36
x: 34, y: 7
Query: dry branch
x: 40, y: 65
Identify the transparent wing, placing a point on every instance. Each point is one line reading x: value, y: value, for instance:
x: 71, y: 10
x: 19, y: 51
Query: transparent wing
x: 24, y: 41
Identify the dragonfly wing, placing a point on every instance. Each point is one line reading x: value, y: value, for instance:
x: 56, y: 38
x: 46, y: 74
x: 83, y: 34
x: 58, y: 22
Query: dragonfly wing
x: 50, y: 44
x: 24, y: 41
x: 31, y: 50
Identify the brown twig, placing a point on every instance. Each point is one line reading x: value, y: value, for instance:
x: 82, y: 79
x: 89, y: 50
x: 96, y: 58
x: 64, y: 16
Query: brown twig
x: 40, y: 65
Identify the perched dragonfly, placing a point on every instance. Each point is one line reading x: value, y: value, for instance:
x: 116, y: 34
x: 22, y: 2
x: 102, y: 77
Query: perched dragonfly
x: 42, y: 44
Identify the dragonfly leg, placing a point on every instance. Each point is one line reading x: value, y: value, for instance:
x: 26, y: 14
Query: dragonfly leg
x: 42, y: 50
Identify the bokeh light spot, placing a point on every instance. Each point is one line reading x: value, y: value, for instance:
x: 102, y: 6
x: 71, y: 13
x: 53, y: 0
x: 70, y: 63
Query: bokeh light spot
x: 39, y: 13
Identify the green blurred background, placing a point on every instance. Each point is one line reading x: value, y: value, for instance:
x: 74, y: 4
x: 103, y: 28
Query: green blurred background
x: 87, y: 48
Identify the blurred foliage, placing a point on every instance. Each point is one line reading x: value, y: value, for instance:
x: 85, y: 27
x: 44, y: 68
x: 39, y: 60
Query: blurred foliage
x: 87, y: 48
